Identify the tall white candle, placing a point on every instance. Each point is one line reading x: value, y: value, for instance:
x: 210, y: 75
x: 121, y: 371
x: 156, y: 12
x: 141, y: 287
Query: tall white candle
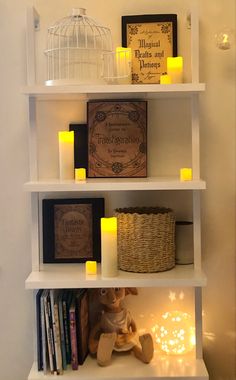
x: 123, y: 65
x: 66, y: 154
x: 109, y: 246
x: 175, y: 69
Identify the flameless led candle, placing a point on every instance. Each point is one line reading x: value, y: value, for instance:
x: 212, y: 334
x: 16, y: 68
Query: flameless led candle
x: 186, y: 174
x: 80, y: 174
x: 109, y: 246
x: 66, y: 154
x: 175, y: 69
x: 91, y: 267
x: 165, y: 79
x: 123, y: 65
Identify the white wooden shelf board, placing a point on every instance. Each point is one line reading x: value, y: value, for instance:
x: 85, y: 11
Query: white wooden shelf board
x: 114, y: 184
x: 74, y: 276
x: 126, y: 366
x: 117, y: 91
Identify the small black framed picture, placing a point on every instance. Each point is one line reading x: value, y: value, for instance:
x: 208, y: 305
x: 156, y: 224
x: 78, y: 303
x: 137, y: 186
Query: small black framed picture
x: 71, y: 230
x: 152, y: 38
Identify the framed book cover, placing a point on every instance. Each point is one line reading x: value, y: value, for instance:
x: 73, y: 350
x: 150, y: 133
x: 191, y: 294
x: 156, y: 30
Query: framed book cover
x: 80, y: 145
x: 152, y: 38
x: 117, y: 136
x: 71, y: 230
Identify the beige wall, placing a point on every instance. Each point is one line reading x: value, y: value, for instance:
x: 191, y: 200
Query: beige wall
x: 217, y: 69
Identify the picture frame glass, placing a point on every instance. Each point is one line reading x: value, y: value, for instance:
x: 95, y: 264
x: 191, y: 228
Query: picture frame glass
x: 71, y: 230
x: 152, y: 38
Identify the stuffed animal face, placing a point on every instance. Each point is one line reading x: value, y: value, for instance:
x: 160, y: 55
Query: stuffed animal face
x: 111, y: 297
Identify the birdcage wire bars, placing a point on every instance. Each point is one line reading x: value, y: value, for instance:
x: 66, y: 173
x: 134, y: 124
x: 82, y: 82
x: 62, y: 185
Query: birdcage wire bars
x: 75, y: 47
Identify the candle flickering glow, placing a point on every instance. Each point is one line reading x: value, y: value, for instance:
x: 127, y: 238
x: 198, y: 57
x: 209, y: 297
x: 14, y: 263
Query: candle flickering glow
x: 186, y: 174
x: 80, y: 174
x: 165, y: 79
x: 66, y: 154
x: 109, y: 246
x: 175, y: 69
x: 91, y: 267
x: 123, y: 65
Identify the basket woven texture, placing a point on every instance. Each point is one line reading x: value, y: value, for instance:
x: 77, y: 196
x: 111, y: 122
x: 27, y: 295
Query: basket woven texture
x: 146, y: 239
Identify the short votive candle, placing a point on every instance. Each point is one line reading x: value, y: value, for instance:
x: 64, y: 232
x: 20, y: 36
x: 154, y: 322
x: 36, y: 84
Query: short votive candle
x: 186, y: 174
x: 91, y: 267
x: 80, y: 174
x: 66, y: 154
x: 175, y: 69
x: 165, y: 79
x: 109, y: 246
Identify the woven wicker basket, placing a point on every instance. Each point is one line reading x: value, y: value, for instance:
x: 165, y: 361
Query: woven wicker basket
x: 146, y: 239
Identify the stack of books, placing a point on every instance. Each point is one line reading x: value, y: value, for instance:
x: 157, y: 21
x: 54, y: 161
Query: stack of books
x: 62, y: 329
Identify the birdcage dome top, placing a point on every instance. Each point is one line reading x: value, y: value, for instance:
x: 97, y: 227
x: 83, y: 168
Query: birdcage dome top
x: 79, y: 30
x: 75, y: 47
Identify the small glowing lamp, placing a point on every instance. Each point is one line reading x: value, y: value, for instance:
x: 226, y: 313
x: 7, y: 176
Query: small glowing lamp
x: 91, y: 267
x: 186, y: 174
x: 80, y: 174
x: 224, y: 39
x: 175, y: 334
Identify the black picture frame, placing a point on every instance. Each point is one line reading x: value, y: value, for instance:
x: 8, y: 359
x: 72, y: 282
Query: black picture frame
x: 71, y: 229
x: 152, y: 38
x: 80, y: 145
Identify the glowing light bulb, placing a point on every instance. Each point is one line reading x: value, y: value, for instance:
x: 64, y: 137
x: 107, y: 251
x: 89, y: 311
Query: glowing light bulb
x: 224, y: 39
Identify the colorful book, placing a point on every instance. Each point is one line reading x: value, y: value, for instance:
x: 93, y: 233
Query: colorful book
x: 49, y: 332
x: 73, y: 335
x: 56, y: 329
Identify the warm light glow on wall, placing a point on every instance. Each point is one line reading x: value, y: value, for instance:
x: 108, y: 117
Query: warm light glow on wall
x: 175, y: 333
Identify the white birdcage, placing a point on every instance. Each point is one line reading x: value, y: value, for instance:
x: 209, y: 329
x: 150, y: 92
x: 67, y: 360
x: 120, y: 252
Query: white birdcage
x: 75, y: 49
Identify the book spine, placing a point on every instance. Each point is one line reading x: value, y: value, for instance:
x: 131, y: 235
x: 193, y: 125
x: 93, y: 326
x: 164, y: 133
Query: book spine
x: 44, y: 335
x: 49, y: 335
x: 73, y: 339
x: 57, y: 339
x: 66, y: 325
x: 62, y: 333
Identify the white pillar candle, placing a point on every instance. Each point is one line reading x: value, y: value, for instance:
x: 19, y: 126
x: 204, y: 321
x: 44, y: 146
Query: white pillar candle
x: 109, y: 246
x: 66, y: 154
x: 175, y: 69
x: 123, y: 65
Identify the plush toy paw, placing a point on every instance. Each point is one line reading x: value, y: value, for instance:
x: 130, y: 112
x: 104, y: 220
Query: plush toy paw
x: 147, y: 347
x: 105, y: 348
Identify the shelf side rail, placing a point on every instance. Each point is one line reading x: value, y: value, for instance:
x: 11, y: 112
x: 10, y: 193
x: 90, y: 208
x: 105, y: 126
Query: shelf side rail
x: 32, y: 22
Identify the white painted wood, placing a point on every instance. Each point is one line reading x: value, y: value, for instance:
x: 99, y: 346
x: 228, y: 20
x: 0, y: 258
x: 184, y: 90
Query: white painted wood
x: 126, y: 366
x: 84, y: 92
x: 198, y: 322
x: 74, y: 276
x: 195, y: 137
x: 114, y: 184
x: 197, y: 230
x: 32, y: 20
x: 195, y: 43
x: 35, y: 232
x: 33, y: 140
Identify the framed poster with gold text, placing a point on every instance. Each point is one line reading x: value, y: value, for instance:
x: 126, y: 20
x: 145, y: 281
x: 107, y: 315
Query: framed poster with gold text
x: 152, y: 38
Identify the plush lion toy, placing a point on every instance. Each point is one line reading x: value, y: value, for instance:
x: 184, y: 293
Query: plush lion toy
x: 116, y: 329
